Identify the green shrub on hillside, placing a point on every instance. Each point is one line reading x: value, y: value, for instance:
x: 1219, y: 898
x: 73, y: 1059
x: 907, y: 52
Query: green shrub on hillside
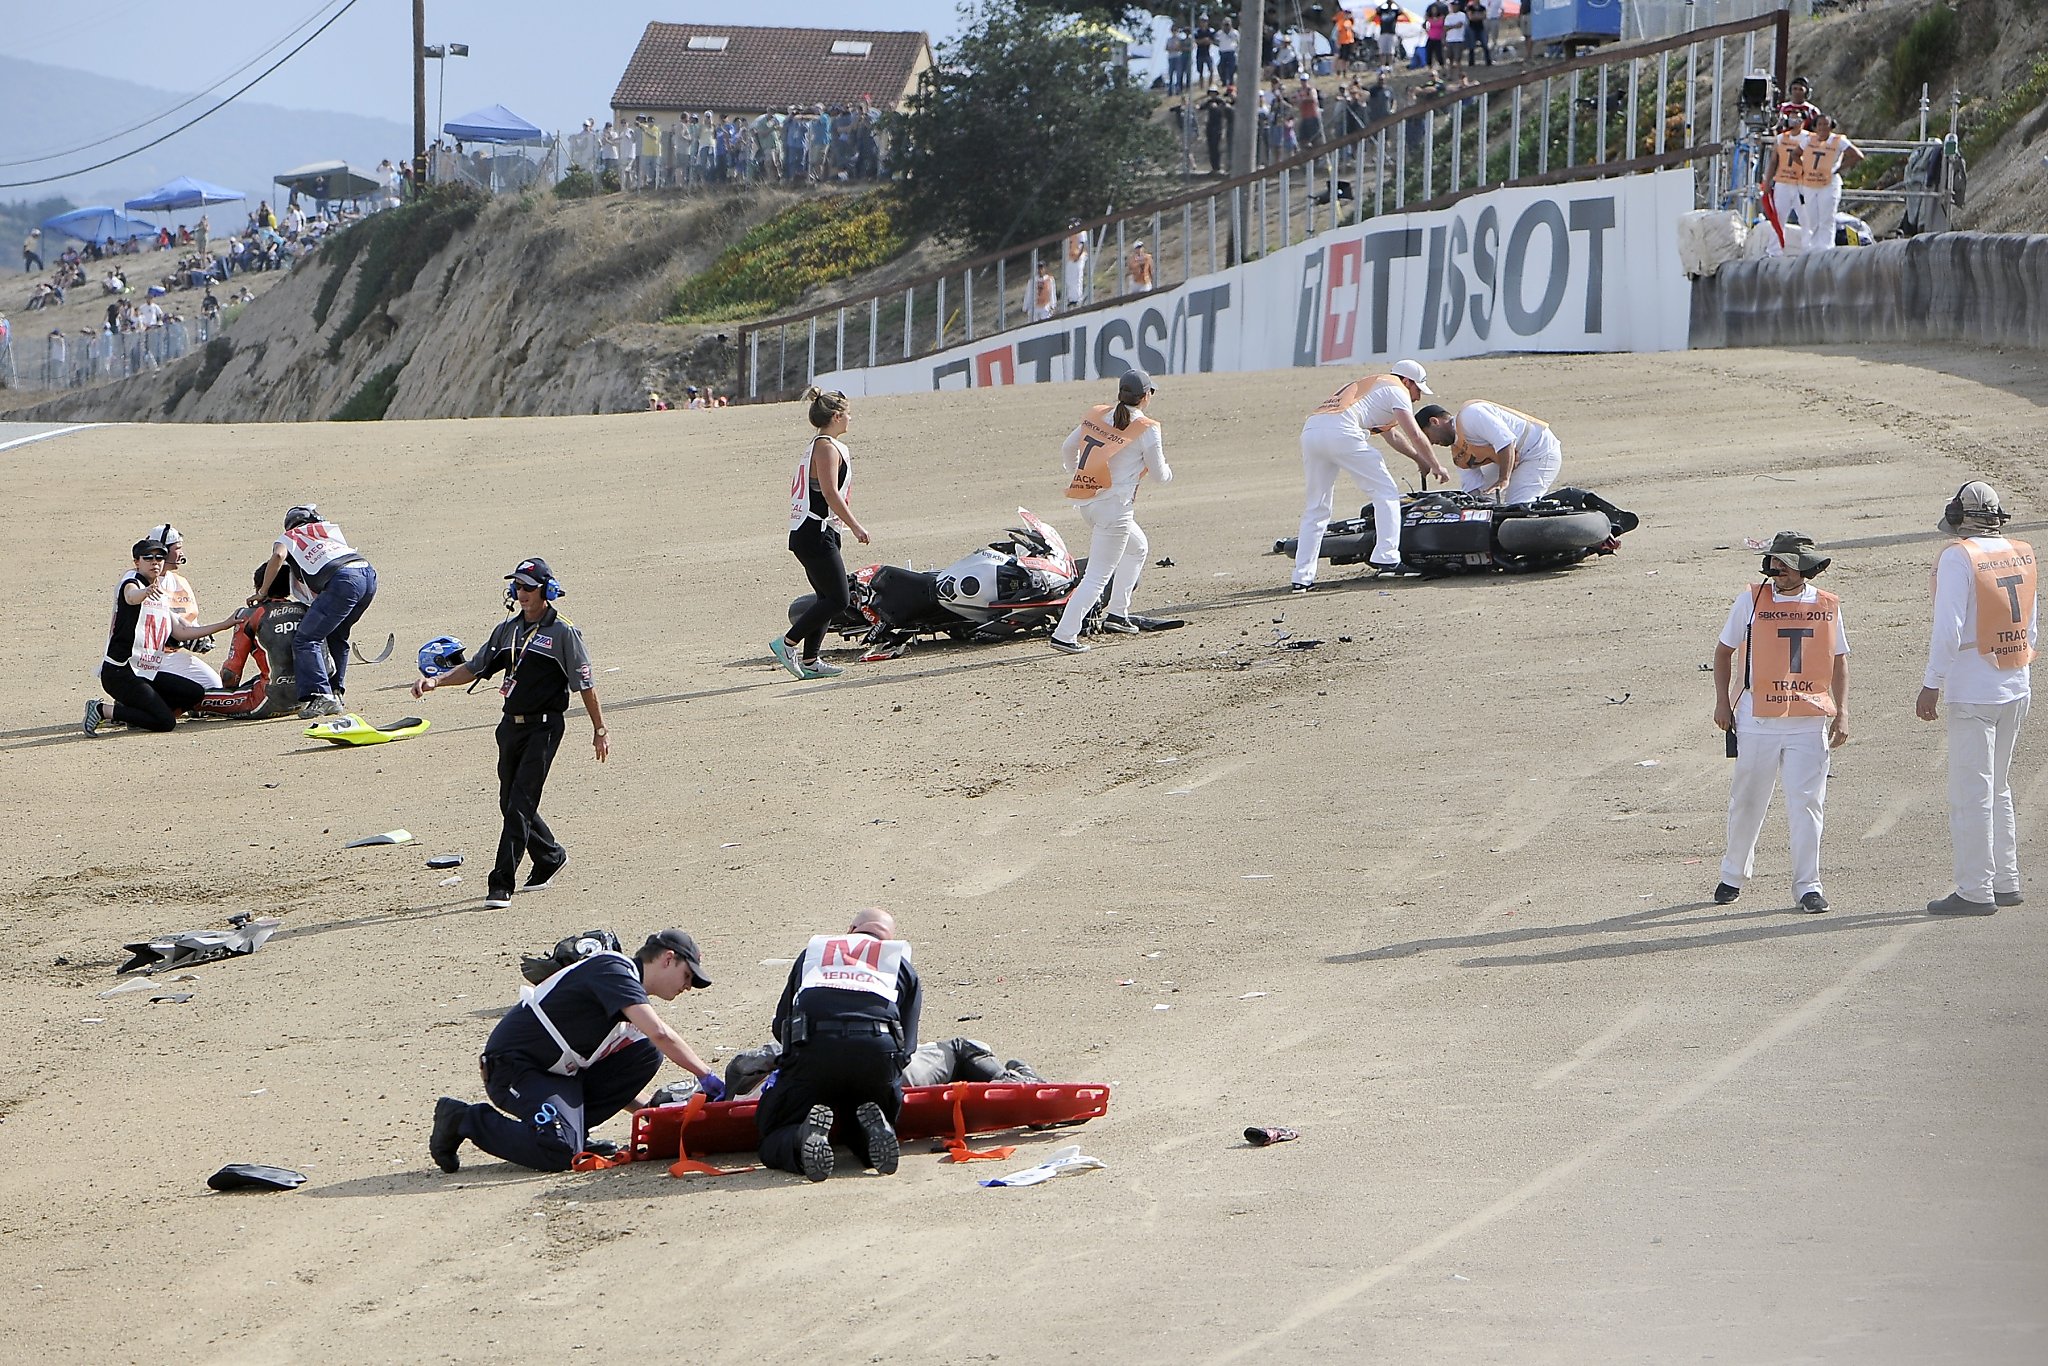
x: 1922, y: 55
x: 578, y: 184
x: 2003, y: 115
x: 373, y: 400
x: 768, y: 270
x: 397, y: 243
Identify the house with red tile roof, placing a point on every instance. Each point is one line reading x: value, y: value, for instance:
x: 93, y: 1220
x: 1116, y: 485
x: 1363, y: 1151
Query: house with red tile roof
x: 739, y: 69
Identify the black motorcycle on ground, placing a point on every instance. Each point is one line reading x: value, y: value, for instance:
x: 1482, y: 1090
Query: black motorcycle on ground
x: 1444, y: 531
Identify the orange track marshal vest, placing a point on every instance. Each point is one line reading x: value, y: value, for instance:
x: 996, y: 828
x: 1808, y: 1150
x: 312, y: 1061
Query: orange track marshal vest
x: 2005, y: 602
x: 1100, y: 440
x: 1789, y: 658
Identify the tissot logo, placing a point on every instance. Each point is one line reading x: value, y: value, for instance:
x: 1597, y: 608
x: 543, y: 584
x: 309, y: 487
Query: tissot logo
x: 1586, y: 267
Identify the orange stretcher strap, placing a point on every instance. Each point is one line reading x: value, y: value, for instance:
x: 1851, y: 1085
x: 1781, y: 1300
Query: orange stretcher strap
x: 598, y: 1162
x: 685, y: 1165
x: 956, y: 1142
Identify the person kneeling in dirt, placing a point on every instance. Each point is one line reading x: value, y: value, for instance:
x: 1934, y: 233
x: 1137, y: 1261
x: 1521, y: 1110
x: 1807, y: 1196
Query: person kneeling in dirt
x: 263, y: 645
x: 576, y: 1050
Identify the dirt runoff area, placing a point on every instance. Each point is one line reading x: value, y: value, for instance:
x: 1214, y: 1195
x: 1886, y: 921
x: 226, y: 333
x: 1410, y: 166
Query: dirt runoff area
x: 1435, y: 893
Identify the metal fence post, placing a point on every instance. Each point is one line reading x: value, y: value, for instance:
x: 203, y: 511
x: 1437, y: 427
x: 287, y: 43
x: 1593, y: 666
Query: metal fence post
x: 1212, y: 234
x: 1457, y: 145
x: 1002, y: 296
x: 839, y: 337
x: 1515, y: 137
x: 939, y: 334
x: 909, y: 306
x: 1543, y: 148
x: 1571, y: 123
x: 1429, y: 155
x: 1634, y: 92
x: 811, y: 353
x: 1485, y: 170
x: 1286, y: 208
x: 874, y: 328
x: 1600, y: 124
x: 1663, y: 98
x: 1379, y: 175
x: 967, y: 284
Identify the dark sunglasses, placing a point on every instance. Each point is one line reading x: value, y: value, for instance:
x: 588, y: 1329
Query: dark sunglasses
x: 153, y: 555
x: 519, y: 587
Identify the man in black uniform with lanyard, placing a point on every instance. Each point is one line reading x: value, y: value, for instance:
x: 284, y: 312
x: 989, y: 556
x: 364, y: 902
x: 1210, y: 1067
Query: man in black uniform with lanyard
x: 847, y: 1023
x: 544, y: 661
x: 576, y: 1050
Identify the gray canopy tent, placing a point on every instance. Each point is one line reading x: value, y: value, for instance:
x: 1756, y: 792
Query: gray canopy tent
x: 332, y: 180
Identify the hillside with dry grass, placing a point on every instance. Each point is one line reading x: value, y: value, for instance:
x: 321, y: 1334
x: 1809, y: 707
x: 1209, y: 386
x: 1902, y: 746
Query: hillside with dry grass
x: 538, y: 305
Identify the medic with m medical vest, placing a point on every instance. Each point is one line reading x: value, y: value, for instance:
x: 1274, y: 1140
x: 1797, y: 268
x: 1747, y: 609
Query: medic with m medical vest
x: 341, y: 585
x: 847, y: 1023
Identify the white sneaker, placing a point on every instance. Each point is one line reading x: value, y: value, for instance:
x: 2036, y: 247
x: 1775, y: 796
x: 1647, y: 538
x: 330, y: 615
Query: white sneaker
x: 1069, y: 647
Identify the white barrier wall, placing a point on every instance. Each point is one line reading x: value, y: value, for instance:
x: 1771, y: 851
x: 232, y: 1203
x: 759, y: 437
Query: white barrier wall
x: 1584, y: 267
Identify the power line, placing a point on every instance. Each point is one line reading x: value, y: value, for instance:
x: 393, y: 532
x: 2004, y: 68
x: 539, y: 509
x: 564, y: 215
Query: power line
x: 45, y: 180
x: 188, y: 100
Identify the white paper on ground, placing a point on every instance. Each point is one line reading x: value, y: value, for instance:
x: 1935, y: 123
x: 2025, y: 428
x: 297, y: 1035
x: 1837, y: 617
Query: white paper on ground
x: 1065, y: 1162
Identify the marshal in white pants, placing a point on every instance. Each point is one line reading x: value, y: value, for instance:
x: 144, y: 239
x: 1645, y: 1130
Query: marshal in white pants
x: 1982, y: 829
x: 1817, y: 215
x: 1116, y: 556
x: 1763, y: 758
x: 1532, y: 477
x: 1787, y: 200
x: 1326, y: 453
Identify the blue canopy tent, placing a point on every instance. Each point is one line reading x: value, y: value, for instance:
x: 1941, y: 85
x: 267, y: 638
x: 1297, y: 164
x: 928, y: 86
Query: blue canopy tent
x: 183, y: 193
x: 505, y: 163
x: 99, y: 223
x: 495, y: 124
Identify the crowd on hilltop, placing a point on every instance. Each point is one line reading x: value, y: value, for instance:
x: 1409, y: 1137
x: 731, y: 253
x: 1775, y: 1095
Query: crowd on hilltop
x: 836, y: 144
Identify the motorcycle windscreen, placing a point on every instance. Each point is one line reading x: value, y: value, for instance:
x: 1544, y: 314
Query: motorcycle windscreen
x: 1059, y: 561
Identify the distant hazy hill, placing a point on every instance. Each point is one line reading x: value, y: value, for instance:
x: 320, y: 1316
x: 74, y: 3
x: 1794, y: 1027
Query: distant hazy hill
x: 45, y: 108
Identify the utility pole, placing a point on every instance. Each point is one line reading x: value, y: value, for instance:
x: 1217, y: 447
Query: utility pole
x: 1251, y: 53
x: 419, y: 95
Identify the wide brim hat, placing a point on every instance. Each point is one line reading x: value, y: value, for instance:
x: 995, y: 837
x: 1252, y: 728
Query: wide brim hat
x: 1798, y: 550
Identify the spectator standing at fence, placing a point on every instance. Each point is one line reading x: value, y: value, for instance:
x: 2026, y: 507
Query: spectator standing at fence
x: 1433, y: 34
x: 608, y: 150
x: 1828, y: 154
x: 1044, y: 295
x: 1218, y: 115
x: 1074, y: 270
x: 1308, y: 103
x: 1138, y: 270
x: 1176, y: 44
x: 1456, y: 25
x: 1205, y: 50
x: 1226, y: 54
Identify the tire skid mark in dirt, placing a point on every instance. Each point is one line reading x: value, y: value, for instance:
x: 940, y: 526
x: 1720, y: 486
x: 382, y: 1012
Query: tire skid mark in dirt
x: 1895, y: 810
x: 1594, y: 1047
x: 984, y: 876
x: 1672, y: 1102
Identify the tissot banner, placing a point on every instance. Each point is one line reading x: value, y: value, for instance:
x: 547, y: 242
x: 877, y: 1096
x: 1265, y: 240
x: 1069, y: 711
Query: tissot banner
x: 1585, y: 267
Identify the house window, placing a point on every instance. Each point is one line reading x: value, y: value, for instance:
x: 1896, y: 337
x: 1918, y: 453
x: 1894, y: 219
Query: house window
x: 704, y: 44
x: 851, y: 47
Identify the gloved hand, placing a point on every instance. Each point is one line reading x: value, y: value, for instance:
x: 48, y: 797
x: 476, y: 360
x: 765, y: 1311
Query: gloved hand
x: 712, y: 1085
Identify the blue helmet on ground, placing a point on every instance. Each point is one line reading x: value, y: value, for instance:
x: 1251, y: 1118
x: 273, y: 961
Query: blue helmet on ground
x: 440, y: 655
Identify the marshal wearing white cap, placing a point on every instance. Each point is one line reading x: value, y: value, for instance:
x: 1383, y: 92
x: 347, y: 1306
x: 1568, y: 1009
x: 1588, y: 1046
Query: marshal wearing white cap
x: 1337, y: 439
x: 1978, y: 654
